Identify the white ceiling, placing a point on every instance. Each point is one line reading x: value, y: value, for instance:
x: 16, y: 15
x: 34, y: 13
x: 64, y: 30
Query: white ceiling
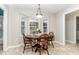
x: 52, y: 8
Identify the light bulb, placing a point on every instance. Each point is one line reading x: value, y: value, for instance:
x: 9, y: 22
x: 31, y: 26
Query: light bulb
x: 39, y: 16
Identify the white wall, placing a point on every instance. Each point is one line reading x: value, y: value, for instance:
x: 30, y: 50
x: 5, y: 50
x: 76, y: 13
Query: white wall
x: 70, y: 28
x: 13, y: 27
x: 52, y: 22
x: 60, y: 27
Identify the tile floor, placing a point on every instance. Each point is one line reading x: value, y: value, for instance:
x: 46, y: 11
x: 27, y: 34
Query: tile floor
x: 69, y: 49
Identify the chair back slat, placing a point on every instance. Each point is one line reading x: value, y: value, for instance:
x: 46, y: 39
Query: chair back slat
x: 26, y: 39
x: 51, y: 36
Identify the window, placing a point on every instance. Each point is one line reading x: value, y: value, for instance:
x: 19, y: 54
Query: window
x: 33, y: 27
x: 22, y: 26
x: 44, y: 26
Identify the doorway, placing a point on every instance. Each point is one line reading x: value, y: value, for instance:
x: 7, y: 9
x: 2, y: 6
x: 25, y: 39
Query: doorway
x: 1, y: 30
x: 77, y: 29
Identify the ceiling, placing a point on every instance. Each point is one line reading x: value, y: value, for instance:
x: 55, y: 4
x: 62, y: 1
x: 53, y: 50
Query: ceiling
x: 52, y: 8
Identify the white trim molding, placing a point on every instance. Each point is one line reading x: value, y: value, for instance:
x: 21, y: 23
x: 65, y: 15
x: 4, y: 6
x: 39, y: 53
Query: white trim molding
x: 60, y: 43
x: 15, y: 46
x: 72, y: 42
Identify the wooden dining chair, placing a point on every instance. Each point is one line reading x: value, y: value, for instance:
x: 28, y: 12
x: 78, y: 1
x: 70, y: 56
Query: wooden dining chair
x: 43, y: 43
x: 51, y: 38
x: 27, y: 41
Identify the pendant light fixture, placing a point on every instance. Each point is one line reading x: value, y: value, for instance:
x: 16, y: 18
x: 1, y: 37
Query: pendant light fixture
x: 39, y: 14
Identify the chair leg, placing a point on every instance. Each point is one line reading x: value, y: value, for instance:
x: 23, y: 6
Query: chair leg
x: 52, y: 44
x: 31, y: 46
x: 47, y: 52
x: 48, y: 42
x: 24, y: 48
x: 39, y: 52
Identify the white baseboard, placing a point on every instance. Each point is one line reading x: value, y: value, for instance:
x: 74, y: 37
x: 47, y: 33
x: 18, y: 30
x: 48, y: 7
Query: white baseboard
x: 10, y: 47
x: 59, y: 43
x: 69, y: 41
